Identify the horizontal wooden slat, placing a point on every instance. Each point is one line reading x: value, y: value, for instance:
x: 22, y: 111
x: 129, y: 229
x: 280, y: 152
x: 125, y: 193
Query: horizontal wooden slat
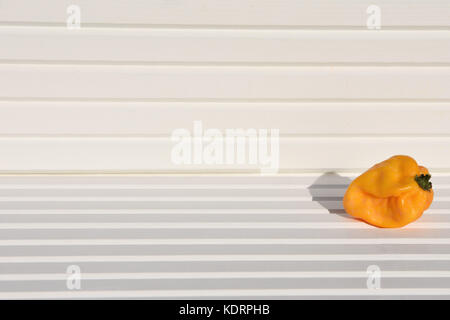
x: 106, y: 98
x: 164, y: 285
x: 406, y: 244
x: 138, y: 118
x: 154, y: 154
x: 228, y: 258
x: 175, y: 82
x: 183, y: 218
x: 247, y: 294
x: 230, y: 13
x: 224, y: 46
x: 142, y: 250
x: 228, y: 234
x: 225, y: 275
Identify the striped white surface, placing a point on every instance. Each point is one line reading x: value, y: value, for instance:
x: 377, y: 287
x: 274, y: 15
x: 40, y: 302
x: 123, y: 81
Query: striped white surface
x: 142, y: 236
x: 106, y: 98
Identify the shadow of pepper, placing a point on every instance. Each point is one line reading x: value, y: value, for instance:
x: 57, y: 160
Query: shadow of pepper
x: 328, y: 190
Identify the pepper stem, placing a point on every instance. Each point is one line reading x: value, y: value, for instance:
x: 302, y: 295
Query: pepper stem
x: 424, y: 181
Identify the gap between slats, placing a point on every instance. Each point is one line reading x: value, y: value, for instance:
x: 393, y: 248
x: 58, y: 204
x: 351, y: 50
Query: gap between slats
x: 225, y: 275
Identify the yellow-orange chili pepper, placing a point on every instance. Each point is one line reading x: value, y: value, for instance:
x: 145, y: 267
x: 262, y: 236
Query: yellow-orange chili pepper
x: 391, y: 194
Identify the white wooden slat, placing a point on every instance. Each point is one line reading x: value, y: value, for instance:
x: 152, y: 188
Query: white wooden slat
x: 162, y: 285
x: 107, y: 97
x: 249, y: 294
x: 437, y: 211
x: 289, y: 266
x: 353, y: 224
x: 231, y: 242
x: 228, y: 258
x: 138, y: 118
x: 44, y: 249
x: 244, y: 254
x: 230, y: 13
x: 223, y: 46
x: 191, y: 181
x: 154, y: 154
x: 225, y: 275
x: 169, y: 236
x: 188, y: 82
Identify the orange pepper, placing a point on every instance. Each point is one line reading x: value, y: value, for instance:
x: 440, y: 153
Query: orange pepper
x: 391, y: 194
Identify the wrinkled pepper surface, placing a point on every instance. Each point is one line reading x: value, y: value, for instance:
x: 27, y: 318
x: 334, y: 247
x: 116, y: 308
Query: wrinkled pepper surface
x: 391, y: 194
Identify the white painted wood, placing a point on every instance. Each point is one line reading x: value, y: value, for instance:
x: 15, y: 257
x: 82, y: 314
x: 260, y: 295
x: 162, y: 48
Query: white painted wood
x: 222, y: 294
x: 228, y: 258
x: 223, y: 46
x: 188, y: 82
x: 106, y: 98
x: 268, y: 253
x: 225, y: 275
x: 154, y: 154
x: 293, y: 13
x: 208, y: 226
x: 161, y: 118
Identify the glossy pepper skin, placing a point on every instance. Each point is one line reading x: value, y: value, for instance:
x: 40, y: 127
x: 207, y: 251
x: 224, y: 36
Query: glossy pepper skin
x: 391, y: 194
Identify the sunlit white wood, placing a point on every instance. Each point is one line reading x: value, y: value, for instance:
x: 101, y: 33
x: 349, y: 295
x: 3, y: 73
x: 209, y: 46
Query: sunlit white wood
x: 226, y: 275
x: 154, y: 154
x: 31, y: 256
x: 229, y: 13
x: 205, y: 82
x: 236, y: 293
x: 237, y: 225
x: 105, y: 99
x: 356, y: 293
x: 212, y: 241
x: 192, y: 258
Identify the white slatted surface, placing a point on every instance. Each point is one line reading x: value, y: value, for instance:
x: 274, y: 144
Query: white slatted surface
x: 241, y: 236
x: 231, y: 13
x: 107, y: 97
x: 225, y: 46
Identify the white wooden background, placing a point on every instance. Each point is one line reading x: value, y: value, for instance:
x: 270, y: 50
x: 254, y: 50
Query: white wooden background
x: 106, y: 98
